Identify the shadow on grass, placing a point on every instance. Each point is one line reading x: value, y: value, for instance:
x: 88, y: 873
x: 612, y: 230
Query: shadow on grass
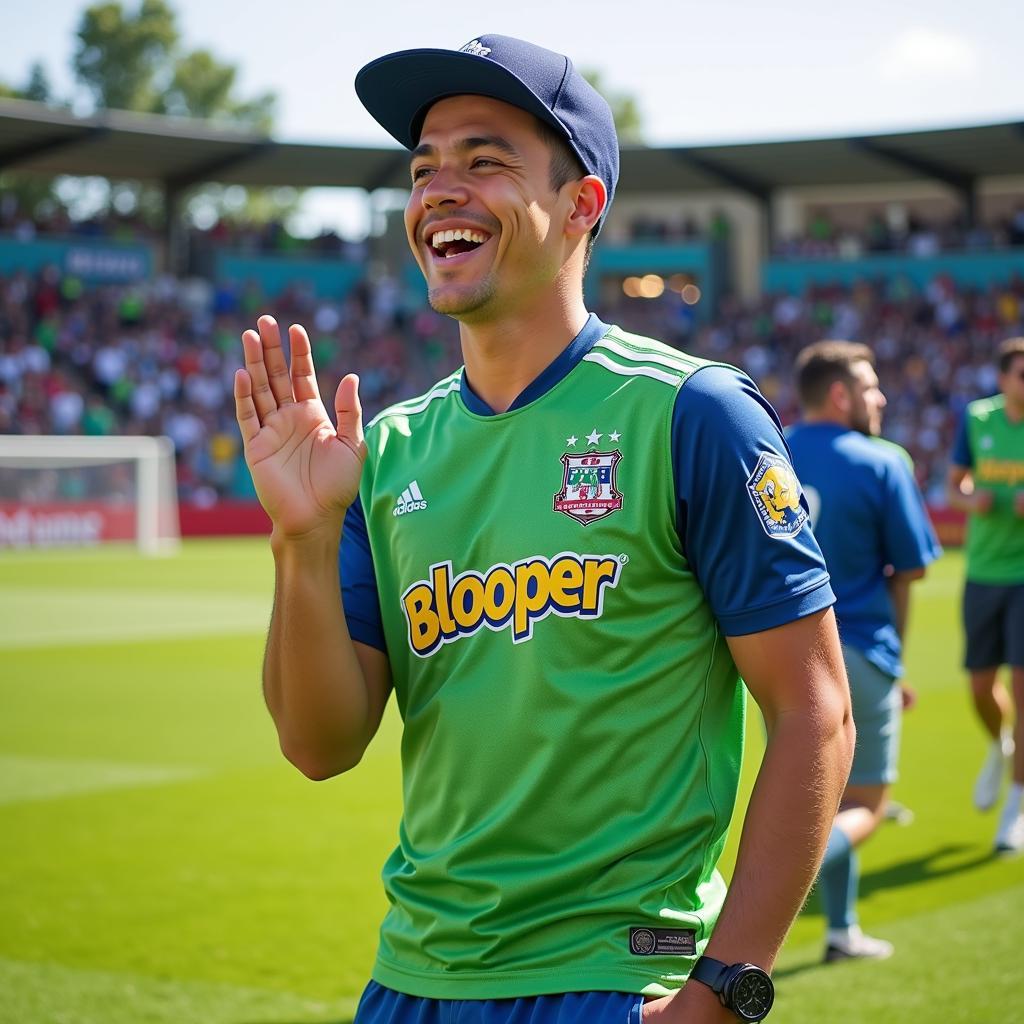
x: 924, y: 868
x: 917, y: 869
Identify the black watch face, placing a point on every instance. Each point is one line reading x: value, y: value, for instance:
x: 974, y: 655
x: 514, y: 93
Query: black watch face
x: 752, y: 995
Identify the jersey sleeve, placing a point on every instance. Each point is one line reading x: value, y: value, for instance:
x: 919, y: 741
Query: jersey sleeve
x: 359, y: 581
x: 962, y: 455
x: 907, y: 533
x: 742, y: 520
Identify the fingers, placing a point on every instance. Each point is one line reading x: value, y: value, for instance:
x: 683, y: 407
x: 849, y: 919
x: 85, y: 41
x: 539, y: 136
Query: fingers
x: 264, y: 362
x: 262, y: 397
x: 303, y: 382
x: 245, y: 408
x: 350, y: 414
x: 273, y: 359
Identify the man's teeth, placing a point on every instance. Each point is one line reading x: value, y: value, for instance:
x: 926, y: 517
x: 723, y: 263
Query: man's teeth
x: 457, y: 235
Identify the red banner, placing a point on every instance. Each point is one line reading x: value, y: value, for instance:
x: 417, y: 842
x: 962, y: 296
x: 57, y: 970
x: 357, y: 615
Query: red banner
x: 225, y: 519
x: 57, y: 524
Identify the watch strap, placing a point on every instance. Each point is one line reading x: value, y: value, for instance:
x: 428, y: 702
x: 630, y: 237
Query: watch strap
x: 710, y: 972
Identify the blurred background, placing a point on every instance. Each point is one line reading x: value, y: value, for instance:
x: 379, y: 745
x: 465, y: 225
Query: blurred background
x: 171, y: 169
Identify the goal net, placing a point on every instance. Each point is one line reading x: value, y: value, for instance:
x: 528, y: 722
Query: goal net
x: 79, y: 491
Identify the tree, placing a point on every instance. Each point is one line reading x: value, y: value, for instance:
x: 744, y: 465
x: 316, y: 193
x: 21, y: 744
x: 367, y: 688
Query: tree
x: 120, y: 55
x: 135, y: 61
x: 202, y: 87
x: 625, y: 110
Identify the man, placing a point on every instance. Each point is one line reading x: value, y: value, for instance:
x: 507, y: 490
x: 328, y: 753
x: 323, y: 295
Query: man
x: 986, y: 480
x: 560, y: 560
x: 874, y: 531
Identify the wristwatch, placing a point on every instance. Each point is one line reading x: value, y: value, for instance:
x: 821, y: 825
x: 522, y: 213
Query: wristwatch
x: 743, y: 988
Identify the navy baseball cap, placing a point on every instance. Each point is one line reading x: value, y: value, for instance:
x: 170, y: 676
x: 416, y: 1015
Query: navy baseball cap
x: 399, y: 88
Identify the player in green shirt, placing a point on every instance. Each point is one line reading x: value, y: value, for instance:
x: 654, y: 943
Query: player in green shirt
x: 986, y: 480
x: 561, y: 559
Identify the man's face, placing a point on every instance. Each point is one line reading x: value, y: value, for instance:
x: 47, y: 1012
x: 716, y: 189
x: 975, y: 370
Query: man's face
x: 482, y: 170
x: 866, y: 400
x: 1011, y: 383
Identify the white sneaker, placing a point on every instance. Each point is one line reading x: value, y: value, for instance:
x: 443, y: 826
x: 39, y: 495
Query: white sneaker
x: 899, y: 813
x: 853, y: 944
x: 1011, y: 838
x: 990, y: 778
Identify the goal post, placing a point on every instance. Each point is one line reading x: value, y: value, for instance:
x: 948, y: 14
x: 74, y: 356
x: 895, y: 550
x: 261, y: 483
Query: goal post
x: 76, y: 491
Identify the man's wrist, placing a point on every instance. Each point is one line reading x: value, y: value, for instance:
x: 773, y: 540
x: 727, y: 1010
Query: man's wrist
x: 743, y: 988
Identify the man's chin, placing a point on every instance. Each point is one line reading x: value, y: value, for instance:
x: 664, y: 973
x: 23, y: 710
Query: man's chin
x: 458, y: 303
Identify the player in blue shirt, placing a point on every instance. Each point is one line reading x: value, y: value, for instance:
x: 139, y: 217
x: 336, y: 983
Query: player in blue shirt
x: 870, y: 520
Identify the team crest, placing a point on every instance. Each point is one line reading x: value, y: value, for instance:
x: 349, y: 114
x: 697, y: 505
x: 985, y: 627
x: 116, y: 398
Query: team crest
x: 588, y: 486
x: 775, y: 493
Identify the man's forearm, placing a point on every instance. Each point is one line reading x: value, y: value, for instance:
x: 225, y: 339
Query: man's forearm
x: 785, y: 830
x: 312, y: 680
x: 899, y: 594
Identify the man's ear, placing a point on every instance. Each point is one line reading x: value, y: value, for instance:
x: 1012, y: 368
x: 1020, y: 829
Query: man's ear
x: 839, y: 395
x: 590, y: 200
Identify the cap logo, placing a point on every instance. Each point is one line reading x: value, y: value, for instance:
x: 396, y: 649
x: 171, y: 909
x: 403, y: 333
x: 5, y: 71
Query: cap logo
x: 476, y: 48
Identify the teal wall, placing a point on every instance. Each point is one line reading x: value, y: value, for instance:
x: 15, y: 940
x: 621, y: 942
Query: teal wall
x: 978, y: 269
x: 327, y: 278
x: 95, y: 260
x: 703, y: 260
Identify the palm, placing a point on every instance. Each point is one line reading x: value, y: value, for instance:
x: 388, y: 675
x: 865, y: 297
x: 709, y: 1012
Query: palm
x: 302, y: 470
x: 306, y: 473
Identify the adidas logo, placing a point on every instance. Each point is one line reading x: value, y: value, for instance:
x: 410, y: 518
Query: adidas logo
x: 410, y: 500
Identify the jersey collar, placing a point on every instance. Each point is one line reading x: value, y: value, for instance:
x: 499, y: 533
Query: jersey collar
x: 593, y: 331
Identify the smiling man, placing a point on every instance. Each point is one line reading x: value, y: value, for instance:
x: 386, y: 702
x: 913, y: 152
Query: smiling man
x: 561, y: 559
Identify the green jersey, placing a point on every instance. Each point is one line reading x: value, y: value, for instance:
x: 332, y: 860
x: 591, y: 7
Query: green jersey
x: 573, y: 719
x: 993, y: 447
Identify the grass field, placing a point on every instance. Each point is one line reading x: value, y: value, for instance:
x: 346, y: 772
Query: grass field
x: 161, y: 864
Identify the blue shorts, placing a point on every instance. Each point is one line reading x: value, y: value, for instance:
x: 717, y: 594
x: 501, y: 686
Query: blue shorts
x: 381, y: 1005
x: 877, y: 713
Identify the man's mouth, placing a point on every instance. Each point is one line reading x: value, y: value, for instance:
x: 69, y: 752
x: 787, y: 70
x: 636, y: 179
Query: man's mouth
x: 455, y: 242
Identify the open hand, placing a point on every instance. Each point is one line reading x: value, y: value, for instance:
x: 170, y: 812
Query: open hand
x: 305, y: 471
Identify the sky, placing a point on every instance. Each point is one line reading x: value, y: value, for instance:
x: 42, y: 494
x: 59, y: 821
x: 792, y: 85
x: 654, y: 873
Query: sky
x: 721, y: 70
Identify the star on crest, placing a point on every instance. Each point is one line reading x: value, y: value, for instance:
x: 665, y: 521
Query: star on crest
x: 570, y: 441
x: 594, y: 437
x: 614, y: 436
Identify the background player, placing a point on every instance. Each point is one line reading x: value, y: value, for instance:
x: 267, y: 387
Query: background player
x: 986, y: 480
x: 874, y: 531
x: 561, y: 824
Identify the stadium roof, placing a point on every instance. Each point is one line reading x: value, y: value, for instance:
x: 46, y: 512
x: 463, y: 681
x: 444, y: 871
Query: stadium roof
x: 181, y: 152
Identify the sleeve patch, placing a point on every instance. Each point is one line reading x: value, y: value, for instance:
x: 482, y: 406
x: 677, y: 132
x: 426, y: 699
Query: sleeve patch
x: 775, y: 494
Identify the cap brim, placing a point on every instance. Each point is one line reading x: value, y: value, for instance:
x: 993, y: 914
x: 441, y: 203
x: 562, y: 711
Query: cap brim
x: 398, y: 89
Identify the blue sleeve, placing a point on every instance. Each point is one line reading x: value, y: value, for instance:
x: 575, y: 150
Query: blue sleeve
x: 359, y: 581
x: 742, y: 517
x: 962, y: 455
x: 907, y: 534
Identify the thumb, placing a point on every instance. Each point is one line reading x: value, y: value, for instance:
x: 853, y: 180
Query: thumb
x: 349, y: 412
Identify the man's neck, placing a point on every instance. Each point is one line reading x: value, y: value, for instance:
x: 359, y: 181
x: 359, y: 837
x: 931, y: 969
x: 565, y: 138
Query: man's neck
x: 1013, y: 411
x: 827, y: 416
x: 503, y: 357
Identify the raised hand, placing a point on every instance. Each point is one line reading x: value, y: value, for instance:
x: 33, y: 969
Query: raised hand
x: 306, y: 472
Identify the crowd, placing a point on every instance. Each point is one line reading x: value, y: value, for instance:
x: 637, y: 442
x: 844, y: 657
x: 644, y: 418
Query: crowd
x: 159, y: 358
x: 239, y: 234
x: 896, y: 230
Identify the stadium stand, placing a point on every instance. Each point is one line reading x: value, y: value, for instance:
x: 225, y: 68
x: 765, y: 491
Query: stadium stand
x: 741, y: 253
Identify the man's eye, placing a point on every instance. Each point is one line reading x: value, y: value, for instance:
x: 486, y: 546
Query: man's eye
x: 485, y: 161
x: 420, y: 172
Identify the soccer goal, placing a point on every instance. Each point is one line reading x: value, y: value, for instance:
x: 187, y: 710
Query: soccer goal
x: 79, y: 491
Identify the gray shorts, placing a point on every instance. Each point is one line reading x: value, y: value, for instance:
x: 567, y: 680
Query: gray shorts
x: 877, y: 713
x: 994, y: 625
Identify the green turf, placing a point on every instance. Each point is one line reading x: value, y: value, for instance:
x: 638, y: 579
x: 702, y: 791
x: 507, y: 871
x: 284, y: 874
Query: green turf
x: 160, y: 862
